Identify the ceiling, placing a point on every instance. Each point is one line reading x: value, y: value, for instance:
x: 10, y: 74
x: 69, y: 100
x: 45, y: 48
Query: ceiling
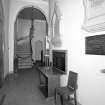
x: 30, y: 12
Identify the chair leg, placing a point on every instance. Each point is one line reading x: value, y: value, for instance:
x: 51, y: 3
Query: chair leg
x: 75, y: 98
x: 55, y: 97
x: 62, y: 99
x: 58, y: 98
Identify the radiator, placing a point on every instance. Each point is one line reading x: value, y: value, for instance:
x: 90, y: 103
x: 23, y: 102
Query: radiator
x: 46, y: 60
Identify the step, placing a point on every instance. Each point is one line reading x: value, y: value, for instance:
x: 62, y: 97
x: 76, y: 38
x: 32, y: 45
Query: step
x: 27, y: 58
x: 24, y: 67
x: 22, y: 52
x: 24, y: 56
x: 25, y: 63
x: 24, y: 49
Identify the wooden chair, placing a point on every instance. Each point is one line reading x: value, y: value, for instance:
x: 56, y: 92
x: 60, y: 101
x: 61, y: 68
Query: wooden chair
x: 66, y: 92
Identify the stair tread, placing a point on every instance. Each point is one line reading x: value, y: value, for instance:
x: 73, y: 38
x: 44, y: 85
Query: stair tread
x: 24, y: 52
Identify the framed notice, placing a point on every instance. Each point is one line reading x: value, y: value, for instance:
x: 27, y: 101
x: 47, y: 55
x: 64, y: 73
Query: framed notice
x: 95, y: 45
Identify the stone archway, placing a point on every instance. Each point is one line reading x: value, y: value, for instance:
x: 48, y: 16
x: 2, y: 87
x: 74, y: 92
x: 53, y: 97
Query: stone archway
x: 24, y: 15
x: 14, y: 10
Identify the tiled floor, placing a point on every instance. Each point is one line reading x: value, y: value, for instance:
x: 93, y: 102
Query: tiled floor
x: 23, y: 89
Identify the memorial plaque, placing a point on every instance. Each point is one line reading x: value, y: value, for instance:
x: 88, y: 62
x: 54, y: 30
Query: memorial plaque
x: 95, y: 45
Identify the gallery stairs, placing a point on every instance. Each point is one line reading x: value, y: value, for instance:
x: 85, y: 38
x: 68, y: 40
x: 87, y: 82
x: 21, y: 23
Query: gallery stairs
x: 24, y: 54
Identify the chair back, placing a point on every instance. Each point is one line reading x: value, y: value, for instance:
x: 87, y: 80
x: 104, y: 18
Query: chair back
x: 72, y: 80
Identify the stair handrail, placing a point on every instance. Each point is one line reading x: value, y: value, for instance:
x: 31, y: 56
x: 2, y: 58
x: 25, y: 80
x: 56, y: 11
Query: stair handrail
x: 23, y: 38
x: 23, y: 57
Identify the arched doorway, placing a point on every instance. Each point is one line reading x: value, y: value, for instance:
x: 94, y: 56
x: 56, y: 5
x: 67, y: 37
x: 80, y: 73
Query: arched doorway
x: 26, y: 33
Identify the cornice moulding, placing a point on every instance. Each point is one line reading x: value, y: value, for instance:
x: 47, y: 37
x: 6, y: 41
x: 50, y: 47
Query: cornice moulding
x: 95, y: 28
x: 94, y: 15
x: 95, y: 24
x: 35, y: 1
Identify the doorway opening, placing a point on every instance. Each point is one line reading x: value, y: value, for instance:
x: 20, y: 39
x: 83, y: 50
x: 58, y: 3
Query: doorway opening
x: 30, y: 31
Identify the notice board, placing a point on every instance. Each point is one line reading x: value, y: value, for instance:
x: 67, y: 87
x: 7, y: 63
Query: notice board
x: 95, y: 45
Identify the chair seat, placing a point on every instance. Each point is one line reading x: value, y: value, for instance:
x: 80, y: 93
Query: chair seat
x: 68, y: 93
x: 64, y: 91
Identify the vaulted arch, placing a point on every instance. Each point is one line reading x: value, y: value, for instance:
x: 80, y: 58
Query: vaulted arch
x: 15, y: 8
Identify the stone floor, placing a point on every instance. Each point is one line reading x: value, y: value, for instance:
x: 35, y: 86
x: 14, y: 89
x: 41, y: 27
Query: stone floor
x: 22, y: 89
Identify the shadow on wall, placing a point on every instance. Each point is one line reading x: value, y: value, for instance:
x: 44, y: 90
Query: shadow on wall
x: 37, y: 48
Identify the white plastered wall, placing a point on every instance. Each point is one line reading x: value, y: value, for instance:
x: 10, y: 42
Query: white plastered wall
x: 91, y: 82
x: 6, y: 27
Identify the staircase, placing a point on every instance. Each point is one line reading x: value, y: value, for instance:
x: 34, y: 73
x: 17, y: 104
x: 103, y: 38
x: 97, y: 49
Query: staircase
x: 24, y: 54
